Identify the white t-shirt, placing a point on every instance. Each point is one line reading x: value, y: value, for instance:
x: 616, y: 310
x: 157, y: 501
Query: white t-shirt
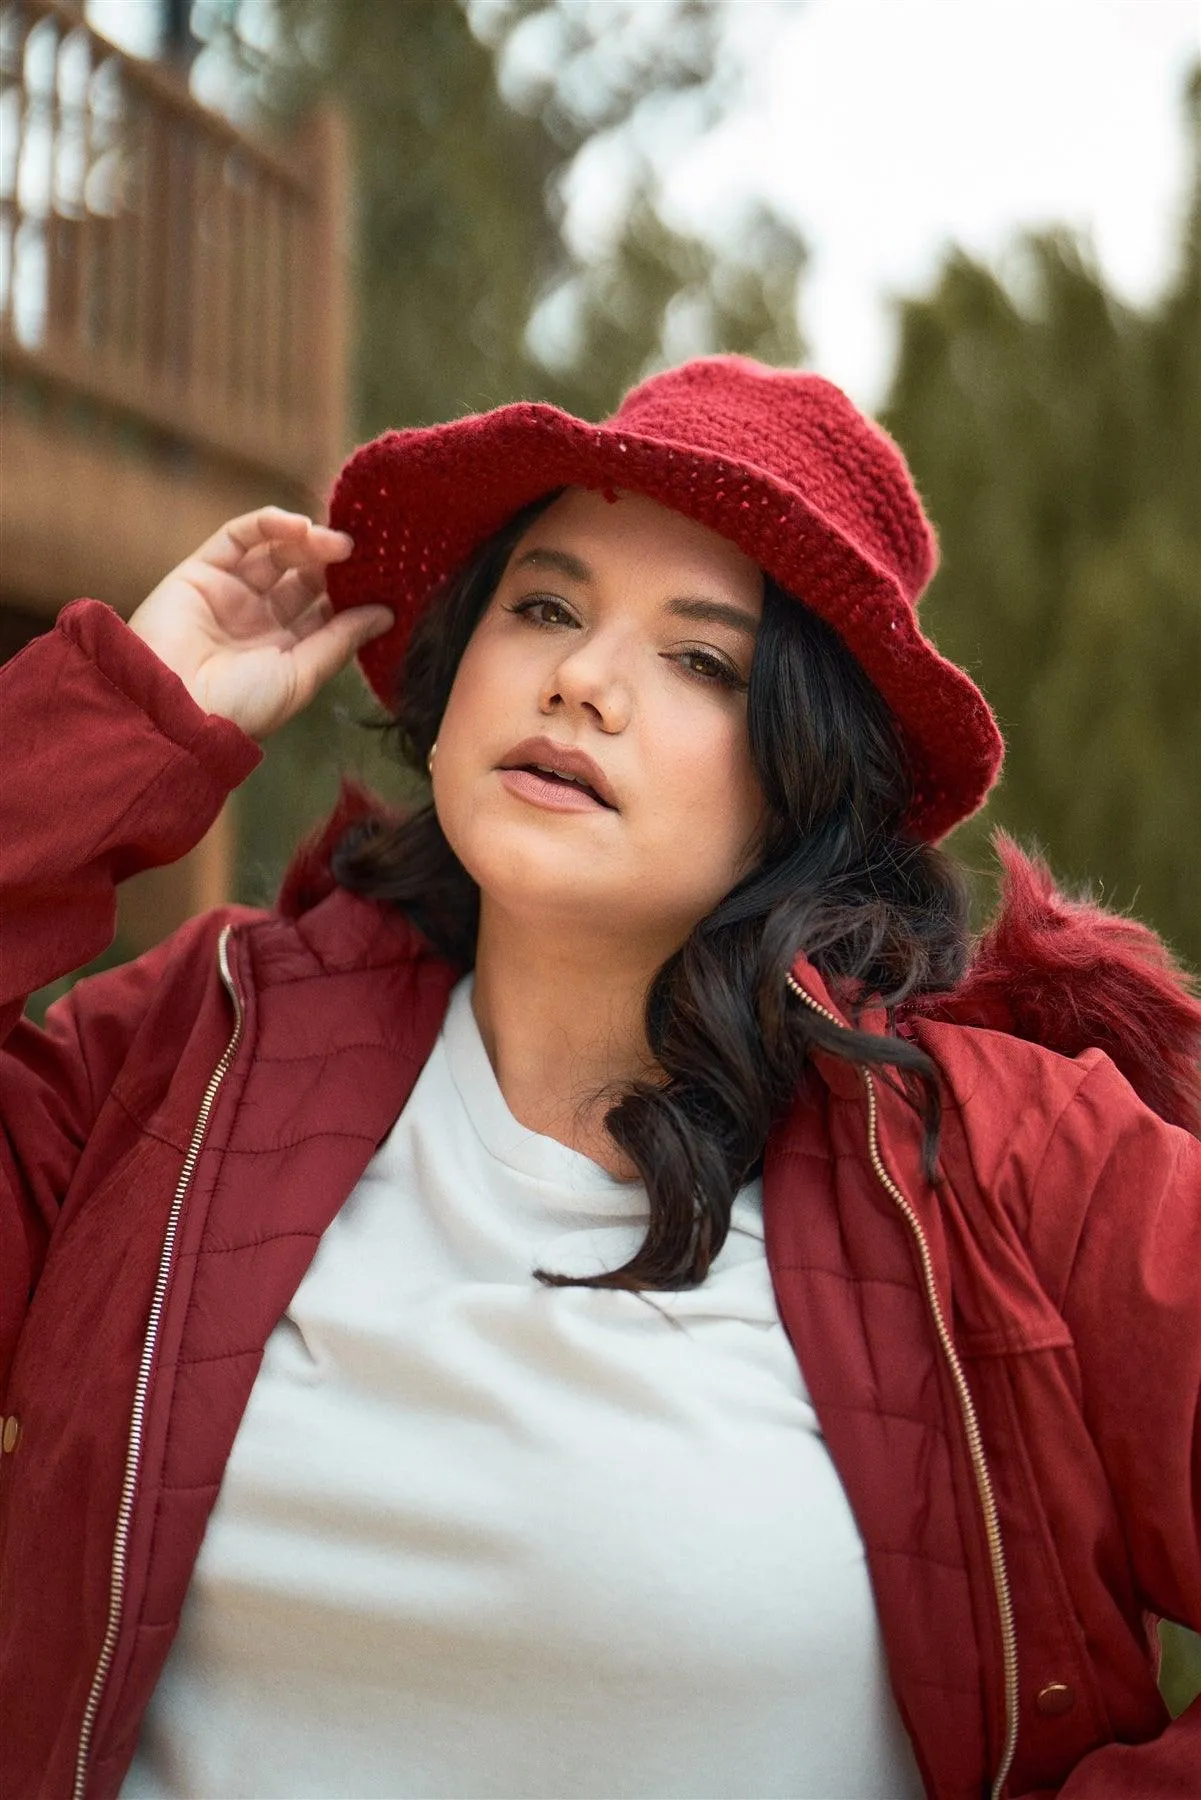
x: 478, y: 1537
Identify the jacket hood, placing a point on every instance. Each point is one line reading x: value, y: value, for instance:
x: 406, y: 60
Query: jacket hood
x: 309, y: 878
x: 1068, y: 975
x: 1057, y: 971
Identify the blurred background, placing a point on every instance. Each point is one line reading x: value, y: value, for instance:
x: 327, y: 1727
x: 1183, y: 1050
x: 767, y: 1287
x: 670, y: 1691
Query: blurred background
x: 239, y: 236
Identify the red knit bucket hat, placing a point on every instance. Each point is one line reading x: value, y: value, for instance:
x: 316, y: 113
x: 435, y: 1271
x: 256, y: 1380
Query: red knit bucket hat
x: 781, y: 463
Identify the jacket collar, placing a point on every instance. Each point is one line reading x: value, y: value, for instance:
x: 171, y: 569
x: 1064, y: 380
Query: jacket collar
x: 841, y: 1076
x: 1055, y: 971
x: 343, y: 933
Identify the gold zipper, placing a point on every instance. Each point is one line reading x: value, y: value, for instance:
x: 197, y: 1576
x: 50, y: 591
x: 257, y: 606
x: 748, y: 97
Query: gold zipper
x: 967, y: 1410
x: 133, y: 1457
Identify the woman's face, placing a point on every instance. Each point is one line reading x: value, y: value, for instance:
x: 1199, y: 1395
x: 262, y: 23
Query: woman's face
x: 623, y: 633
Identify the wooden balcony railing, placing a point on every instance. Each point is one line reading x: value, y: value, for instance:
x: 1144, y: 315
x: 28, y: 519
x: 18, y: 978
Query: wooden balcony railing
x: 160, y: 263
x: 172, y: 334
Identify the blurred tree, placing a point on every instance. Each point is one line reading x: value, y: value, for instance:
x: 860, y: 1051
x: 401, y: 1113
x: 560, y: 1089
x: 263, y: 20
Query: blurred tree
x: 467, y: 122
x: 1056, y: 434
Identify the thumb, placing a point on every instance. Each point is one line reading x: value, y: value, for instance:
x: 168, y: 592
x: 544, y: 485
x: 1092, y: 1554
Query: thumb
x: 366, y: 622
x: 318, y: 657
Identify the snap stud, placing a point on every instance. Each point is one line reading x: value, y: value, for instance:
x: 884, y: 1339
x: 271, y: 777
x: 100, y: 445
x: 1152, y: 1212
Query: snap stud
x: 1057, y: 1697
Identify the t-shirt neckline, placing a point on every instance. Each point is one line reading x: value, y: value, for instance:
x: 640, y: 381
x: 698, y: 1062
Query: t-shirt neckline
x: 528, y: 1152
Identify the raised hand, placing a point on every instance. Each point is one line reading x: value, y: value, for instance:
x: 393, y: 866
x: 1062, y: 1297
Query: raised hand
x: 246, y: 624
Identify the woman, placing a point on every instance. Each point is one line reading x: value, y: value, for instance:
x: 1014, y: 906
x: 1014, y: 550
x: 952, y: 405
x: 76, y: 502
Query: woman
x: 553, y: 1306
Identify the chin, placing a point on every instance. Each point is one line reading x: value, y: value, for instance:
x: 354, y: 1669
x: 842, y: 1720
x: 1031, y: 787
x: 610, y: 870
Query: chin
x: 541, y: 878
x: 542, y: 871
x: 524, y: 875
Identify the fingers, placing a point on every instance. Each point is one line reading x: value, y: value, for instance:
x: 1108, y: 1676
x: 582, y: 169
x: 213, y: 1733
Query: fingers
x: 266, y: 564
x: 328, y: 645
x: 265, y: 544
x: 291, y: 597
x: 311, y: 618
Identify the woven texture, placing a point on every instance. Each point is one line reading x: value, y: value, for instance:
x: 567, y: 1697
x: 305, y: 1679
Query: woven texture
x: 780, y: 463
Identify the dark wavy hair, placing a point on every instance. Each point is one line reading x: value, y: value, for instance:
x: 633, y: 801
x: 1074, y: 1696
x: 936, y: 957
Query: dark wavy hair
x: 881, y: 916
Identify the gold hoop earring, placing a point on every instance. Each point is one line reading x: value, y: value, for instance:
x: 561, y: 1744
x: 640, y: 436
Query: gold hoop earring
x: 429, y: 761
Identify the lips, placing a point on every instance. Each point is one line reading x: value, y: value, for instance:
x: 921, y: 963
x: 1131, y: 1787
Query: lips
x: 544, y: 757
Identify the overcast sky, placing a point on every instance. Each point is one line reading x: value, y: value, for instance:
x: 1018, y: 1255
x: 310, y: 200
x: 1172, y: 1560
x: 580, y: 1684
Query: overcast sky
x: 889, y: 128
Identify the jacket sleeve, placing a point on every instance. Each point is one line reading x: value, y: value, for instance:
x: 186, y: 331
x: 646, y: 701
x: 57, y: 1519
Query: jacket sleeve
x: 110, y: 768
x: 1133, y: 1301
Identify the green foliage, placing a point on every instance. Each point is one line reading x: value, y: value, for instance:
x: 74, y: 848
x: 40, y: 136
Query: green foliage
x: 459, y: 213
x: 660, y: 295
x: 1180, y: 1677
x: 450, y: 228
x: 1056, y: 435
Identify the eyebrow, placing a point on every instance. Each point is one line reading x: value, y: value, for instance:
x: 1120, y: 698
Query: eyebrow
x: 562, y: 560
x: 695, y: 607
x: 714, y: 612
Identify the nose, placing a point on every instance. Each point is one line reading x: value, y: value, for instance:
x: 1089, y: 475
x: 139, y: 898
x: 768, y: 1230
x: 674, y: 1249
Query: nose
x: 587, y: 679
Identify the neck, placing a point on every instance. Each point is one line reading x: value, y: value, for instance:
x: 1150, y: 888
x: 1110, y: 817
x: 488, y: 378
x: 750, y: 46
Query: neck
x: 561, y: 1015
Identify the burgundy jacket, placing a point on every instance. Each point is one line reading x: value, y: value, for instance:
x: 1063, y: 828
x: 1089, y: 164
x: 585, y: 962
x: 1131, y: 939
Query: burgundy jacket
x: 1006, y: 1366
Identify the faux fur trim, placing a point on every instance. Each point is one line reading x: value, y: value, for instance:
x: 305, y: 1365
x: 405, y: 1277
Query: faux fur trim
x: 1066, y: 974
x: 309, y: 878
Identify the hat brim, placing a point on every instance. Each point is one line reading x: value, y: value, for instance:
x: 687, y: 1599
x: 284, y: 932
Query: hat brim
x: 418, y: 502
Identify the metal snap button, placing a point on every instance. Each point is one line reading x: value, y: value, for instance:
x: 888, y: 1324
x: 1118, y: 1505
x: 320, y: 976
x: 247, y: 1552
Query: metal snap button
x: 1057, y: 1697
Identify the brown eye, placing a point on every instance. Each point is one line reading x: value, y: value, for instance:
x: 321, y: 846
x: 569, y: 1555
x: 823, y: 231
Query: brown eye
x: 537, y: 608
x: 710, y: 667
